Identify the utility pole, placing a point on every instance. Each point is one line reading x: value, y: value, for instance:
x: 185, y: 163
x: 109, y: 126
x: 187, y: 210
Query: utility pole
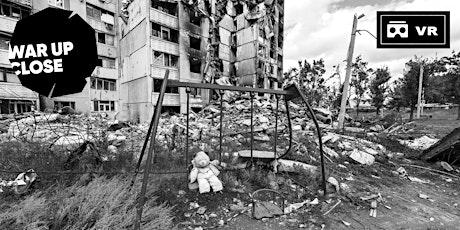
x: 419, y: 99
x: 348, y: 72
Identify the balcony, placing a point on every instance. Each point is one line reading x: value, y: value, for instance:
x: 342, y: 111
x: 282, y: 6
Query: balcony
x: 165, y: 46
x: 106, y: 50
x: 106, y: 73
x: 169, y: 99
x: 4, y: 61
x: 164, y: 18
x: 98, y: 25
x: 159, y: 72
x: 7, y: 24
x: 104, y: 4
x: 26, y: 3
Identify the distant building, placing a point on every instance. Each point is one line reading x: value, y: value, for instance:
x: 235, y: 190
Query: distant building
x: 242, y: 44
x: 14, y: 98
x: 138, y: 40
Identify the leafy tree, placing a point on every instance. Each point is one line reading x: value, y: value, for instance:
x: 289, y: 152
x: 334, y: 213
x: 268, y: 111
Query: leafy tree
x: 360, y: 80
x: 452, y: 79
x: 379, y: 87
x: 410, y: 81
x: 309, y: 77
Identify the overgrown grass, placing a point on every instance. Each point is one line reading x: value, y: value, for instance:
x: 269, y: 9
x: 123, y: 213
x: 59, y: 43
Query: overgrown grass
x: 101, y: 204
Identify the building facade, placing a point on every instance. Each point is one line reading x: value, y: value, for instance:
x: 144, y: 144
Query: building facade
x: 197, y: 41
x: 14, y: 98
x: 138, y: 40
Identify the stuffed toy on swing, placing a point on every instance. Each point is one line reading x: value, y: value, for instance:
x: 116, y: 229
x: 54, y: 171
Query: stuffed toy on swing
x: 204, y: 174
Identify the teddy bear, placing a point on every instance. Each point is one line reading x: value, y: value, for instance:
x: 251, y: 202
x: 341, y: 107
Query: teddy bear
x: 204, y: 174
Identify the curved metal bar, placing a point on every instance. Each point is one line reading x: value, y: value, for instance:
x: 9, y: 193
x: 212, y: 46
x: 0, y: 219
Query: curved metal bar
x: 288, y: 114
x: 265, y: 190
x: 318, y: 130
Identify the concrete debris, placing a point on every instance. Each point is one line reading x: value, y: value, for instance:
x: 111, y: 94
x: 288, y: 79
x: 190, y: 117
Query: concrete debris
x: 446, y: 149
x: 362, y: 157
x: 292, y: 166
x: 266, y: 210
x: 334, y: 182
x: 293, y: 207
x: 421, y: 143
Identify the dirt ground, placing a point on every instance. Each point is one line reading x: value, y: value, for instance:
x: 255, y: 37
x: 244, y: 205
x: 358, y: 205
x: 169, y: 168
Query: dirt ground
x: 406, y: 204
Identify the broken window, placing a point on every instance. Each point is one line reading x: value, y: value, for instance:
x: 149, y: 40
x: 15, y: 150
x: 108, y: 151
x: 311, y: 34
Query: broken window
x: 95, y: 12
x: 167, y: 7
x: 165, y: 59
x: 157, y: 87
x: 4, y: 41
x: 103, y: 84
x: 195, y: 65
x: 13, y: 11
x: 56, y: 3
x: 195, y: 92
x: 106, y: 62
x: 195, y: 43
x: 165, y: 34
x: 195, y: 19
x: 100, y: 37
x: 261, y: 51
x: 156, y: 30
x: 110, y: 39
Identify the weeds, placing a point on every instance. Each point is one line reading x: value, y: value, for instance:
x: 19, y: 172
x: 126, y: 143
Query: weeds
x: 102, y: 204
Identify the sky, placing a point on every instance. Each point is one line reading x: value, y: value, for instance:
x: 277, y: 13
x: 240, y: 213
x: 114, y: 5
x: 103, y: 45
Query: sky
x: 321, y: 29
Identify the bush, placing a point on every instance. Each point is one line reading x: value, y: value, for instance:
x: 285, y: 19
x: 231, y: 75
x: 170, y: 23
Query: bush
x: 101, y: 204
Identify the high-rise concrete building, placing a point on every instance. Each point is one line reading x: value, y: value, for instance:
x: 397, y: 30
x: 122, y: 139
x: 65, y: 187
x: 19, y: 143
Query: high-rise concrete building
x: 101, y: 94
x: 138, y: 40
x: 14, y: 98
x: 196, y: 41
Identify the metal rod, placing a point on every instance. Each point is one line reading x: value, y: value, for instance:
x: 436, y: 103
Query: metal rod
x: 221, y: 92
x: 318, y: 130
x: 187, y: 90
x: 144, y: 146
x: 156, y: 119
x: 252, y: 125
x: 276, y: 125
x: 174, y: 83
x: 288, y: 114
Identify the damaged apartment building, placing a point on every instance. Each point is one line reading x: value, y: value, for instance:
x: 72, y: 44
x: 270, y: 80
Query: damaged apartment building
x: 101, y: 93
x: 235, y: 42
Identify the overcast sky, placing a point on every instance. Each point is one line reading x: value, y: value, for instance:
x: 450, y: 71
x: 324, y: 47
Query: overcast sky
x: 321, y: 29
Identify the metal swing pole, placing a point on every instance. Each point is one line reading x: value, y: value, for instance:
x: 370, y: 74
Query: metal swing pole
x: 187, y: 90
x: 252, y: 126
x: 221, y: 92
x: 276, y: 124
x: 156, y: 119
x: 149, y: 131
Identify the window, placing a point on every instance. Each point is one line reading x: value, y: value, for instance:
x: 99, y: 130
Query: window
x: 103, y: 106
x: 165, y: 33
x: 4, y: 41
x: 4, y: 74
x: 195, y: 92
x: 157, y: 87
x: 195, y: 19
x: 103, y: 84
x: 195, y: 43
x: 105, y: 38
x: 13, y: 11
x: 96, y: 13
x: 165, y: 59
x: 195, y: 65
x: 56, y: 3
x: 167, y: 7
x: 106, y: 62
